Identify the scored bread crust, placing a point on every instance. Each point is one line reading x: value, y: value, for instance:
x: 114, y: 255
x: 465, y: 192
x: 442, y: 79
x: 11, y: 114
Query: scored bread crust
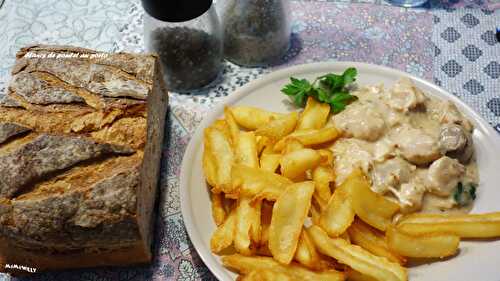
x: 81, y: 138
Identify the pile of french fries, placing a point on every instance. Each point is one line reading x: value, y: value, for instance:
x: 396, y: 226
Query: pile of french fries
x: 280, y: 216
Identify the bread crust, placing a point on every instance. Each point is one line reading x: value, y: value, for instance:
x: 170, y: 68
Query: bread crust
x: 86, y: 135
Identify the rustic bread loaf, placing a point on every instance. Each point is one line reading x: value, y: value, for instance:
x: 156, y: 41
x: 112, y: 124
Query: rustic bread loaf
x: 80, y: 144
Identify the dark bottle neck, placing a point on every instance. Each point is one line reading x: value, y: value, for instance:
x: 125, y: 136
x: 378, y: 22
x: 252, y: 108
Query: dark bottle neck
x: 176, y: 10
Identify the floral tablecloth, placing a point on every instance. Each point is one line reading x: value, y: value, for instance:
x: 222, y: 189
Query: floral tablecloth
x: 451, y: 43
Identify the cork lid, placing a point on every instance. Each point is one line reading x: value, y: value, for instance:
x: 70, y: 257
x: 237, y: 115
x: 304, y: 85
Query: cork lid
x: 176, y: 10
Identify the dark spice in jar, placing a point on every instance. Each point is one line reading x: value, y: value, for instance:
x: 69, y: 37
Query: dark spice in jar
x: 256, y: 32
x: 190, y: 58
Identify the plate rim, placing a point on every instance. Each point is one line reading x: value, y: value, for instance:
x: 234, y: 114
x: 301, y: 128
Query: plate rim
x: 245, y: 90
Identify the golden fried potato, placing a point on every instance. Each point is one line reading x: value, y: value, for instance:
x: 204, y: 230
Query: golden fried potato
x: 234, y: 130
x: 278, y: 128
x: 322, y: 177
x: 338, y: 214
x: 262, y: 143
x: 291, y: 145
x: 326, y: 158
x: 295, y: 164
x: 268, y: 146
x: 310, y: 137
x: 432, y: 245
x: 219, y: 146
x: 356, y: 257
x: 223, y: 236
x: 289, y: 214
x: 314, y: 116
x: 371, y: 207
x: 465, y: 226
x: 315, y: 213
x: 246, y: 149
x: 257, y: 183
x: 373, y: 241
x: 252, y: 118
x: 218, y: 211
x: 209, y: 166
x: 245, y: 222
x: 256, y: 226
x: 245, y: 265
x: 270, y: 162
x: 306, y: 253
x: 265, y: 275
x: 318, y: 201
x: 222, y: 126
x: 353, y: 275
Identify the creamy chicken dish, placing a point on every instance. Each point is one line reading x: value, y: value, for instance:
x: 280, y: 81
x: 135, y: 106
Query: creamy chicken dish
x: 416, y: 149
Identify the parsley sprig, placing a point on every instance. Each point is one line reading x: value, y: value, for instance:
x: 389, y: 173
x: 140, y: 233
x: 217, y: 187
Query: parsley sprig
x: 464, y: 194
x: 330, y: 88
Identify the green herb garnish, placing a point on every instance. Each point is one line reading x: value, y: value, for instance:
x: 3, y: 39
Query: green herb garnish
x: 464, y: 194
x: 458, y: 193
x: 330, y: 88
x: 472, y: 191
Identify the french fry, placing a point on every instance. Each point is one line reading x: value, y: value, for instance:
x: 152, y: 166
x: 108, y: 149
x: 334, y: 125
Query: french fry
x: 245, y: 216
x: 234, y: 130
x: 432, y: 245
x: 326, y: 158
x: 353, y: 275
x: 222, y: 126
x: 464, y: 226
x: 314, y: 115
x: 310, y: 137
x: 346, y: 237
x: 322, y: 177
x: 289, y: 214
x: 209, y: 168
x: 371, y: 207
x: 223, y: 236
x: 294, y: 165
x: 265, y: 275
x: 292, y: 145
x: 278, y: 128
x: 218, y: 143
x: 252, y: 118
x: 270, y: 162
x: 315, y: 214
x: 370, y: 239
x: 246, y: 149
x: 356, y: 257
x: 245, y: 265
x: 262, y: 143
x: 319, y: 201
x: 306, y: 253
x: 256, y: 227
x: 255, y: 182
x: 218, y: 211
x: 338, y: 214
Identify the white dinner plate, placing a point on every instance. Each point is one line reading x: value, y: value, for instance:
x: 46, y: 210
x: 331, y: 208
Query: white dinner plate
x: 477, y: 260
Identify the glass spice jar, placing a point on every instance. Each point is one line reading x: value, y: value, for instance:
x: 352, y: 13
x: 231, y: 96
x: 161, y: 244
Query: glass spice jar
x: 256, y: 32
x: 187, y: 37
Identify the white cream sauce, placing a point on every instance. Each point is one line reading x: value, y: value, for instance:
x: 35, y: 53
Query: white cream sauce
x: 395, y: 136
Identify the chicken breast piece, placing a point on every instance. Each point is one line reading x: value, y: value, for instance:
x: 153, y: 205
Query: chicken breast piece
x: 411, y: 195
x: 361, y: 120
x: 444, y: 175
x: 448, y: 113
x: 415, y: 145
x: 350, y: 154
x: 404, y: 96
x: 391, y: 173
